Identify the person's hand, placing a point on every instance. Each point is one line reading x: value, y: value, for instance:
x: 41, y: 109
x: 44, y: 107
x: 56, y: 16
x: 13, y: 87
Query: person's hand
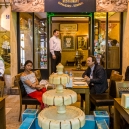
x: 39, y: 87
x: 54, y: 57
x: 87, y: 78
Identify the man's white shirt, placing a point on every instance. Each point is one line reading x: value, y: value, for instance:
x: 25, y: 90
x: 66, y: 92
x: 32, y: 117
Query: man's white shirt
x: 54, y: 44
x: 2, y: 68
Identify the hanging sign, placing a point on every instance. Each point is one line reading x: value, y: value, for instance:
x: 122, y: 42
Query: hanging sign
x: 70, y: 5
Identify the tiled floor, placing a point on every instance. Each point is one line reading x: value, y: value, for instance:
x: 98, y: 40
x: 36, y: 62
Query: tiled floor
x: 12, y: 110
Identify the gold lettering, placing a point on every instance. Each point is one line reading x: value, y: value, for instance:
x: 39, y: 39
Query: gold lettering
x: 68, y: 5
x: 65, y: 5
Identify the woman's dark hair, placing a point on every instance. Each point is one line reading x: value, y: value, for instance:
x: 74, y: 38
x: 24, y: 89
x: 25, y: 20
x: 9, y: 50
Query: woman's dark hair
x: 55, y: 30
x: 93, y: 59
x: 27, y: 62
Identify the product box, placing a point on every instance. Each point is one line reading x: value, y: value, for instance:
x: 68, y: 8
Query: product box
x: 101, y: 124
x: 31, y: 113
x: 101, y: 115
x: 125, y: 101
x: 36, y: 124
x: 28, y: 123
x: 123, y: 92
x: 90, y: 122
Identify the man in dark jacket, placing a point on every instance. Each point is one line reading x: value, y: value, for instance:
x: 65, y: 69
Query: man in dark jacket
x: 127, y: 74
x: 95, y: 75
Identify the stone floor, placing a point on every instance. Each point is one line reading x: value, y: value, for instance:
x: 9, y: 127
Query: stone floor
x: 12, y: 110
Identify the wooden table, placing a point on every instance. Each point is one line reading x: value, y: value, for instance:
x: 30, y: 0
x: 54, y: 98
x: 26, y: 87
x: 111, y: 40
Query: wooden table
x: 2, y: 114
x: 119, y: 110
x: 83, y: 90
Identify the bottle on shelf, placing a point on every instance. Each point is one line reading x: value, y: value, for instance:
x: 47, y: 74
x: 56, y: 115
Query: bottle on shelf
x: 70, y: 74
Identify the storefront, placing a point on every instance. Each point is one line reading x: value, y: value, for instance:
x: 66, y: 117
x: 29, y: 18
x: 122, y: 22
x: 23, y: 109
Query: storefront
x: 5, y: 42
x: 95, y: 33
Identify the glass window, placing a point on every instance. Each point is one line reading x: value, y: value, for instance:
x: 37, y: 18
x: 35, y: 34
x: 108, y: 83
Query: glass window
x: 26, y: 38
x: 113, y: 50
x: 40, y: 44
x: 5, y: 37
x: 100, y: 38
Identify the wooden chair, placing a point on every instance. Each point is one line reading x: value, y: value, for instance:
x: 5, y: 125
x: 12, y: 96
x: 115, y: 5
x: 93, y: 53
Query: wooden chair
x: 121, y: 87
x: 107, y: 99
x: 1, y: 88
x: 24, y: 98
x: 38, y: 74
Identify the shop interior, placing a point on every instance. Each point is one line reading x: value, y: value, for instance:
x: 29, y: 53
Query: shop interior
x: 100, y: 37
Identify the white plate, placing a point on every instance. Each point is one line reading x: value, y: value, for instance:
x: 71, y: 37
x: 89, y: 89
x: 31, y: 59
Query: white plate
x: 79, y: 83
x: 78, y: 78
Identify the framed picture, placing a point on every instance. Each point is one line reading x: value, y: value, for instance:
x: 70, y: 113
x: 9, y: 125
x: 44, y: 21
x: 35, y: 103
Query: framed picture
x: 82, y: 42
x: 68, y: 42
x: 68, y: 27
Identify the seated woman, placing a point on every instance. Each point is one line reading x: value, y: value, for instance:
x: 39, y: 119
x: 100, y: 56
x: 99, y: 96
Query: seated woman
x: 31, y: 83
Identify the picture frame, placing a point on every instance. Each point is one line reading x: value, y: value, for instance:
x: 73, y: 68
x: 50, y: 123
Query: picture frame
x: 68, y: 42
x: 82, y: 42
x: 68, y: 27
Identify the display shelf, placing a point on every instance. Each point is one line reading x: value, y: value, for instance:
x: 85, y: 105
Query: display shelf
x: 41, y: 58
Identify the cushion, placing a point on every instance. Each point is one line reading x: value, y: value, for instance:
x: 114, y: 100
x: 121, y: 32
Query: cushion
x: 30, y: 101
x: 102, y: 99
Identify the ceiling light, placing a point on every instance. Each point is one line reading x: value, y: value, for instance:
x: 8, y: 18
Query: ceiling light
x: 74, y: 17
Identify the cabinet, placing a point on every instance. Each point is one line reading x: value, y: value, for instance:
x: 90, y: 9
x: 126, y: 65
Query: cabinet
x: 113, y: 57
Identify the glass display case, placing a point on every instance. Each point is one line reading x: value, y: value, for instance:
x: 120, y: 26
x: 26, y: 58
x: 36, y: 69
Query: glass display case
x: 33, y: 41
x: 26, y: 38
x: 40, y: 44
x: 100, y: 39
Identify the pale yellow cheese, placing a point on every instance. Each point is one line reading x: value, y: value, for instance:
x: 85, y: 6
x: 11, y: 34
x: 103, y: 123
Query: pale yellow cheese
x: 67, y: 100
x: 65, y: 125
x: 54, y: 124
x: 45, y: 124
x: 58, y: 101
x: 75, y: 124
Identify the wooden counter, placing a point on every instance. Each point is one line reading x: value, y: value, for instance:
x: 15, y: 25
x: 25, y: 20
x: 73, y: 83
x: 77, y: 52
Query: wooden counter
x: 2, y: 114
x: 119, y: 110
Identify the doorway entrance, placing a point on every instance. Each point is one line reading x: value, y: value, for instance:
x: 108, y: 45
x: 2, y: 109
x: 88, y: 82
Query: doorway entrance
x: 75, y: 32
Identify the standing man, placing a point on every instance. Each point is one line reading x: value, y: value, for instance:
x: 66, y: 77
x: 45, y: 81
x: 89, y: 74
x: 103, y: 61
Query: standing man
x: 96, y: 77
x: 55, y: 49
x: 2, y: 68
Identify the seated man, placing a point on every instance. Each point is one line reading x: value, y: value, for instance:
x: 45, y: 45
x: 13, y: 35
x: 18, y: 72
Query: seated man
x: 127, y: 74
x: 95, y: 75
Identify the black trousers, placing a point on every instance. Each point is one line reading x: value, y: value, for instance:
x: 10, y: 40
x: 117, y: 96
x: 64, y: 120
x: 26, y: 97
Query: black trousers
x: 55, y: 62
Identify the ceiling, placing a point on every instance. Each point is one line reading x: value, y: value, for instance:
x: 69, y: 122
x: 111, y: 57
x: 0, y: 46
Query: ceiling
x: 113, y: 16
